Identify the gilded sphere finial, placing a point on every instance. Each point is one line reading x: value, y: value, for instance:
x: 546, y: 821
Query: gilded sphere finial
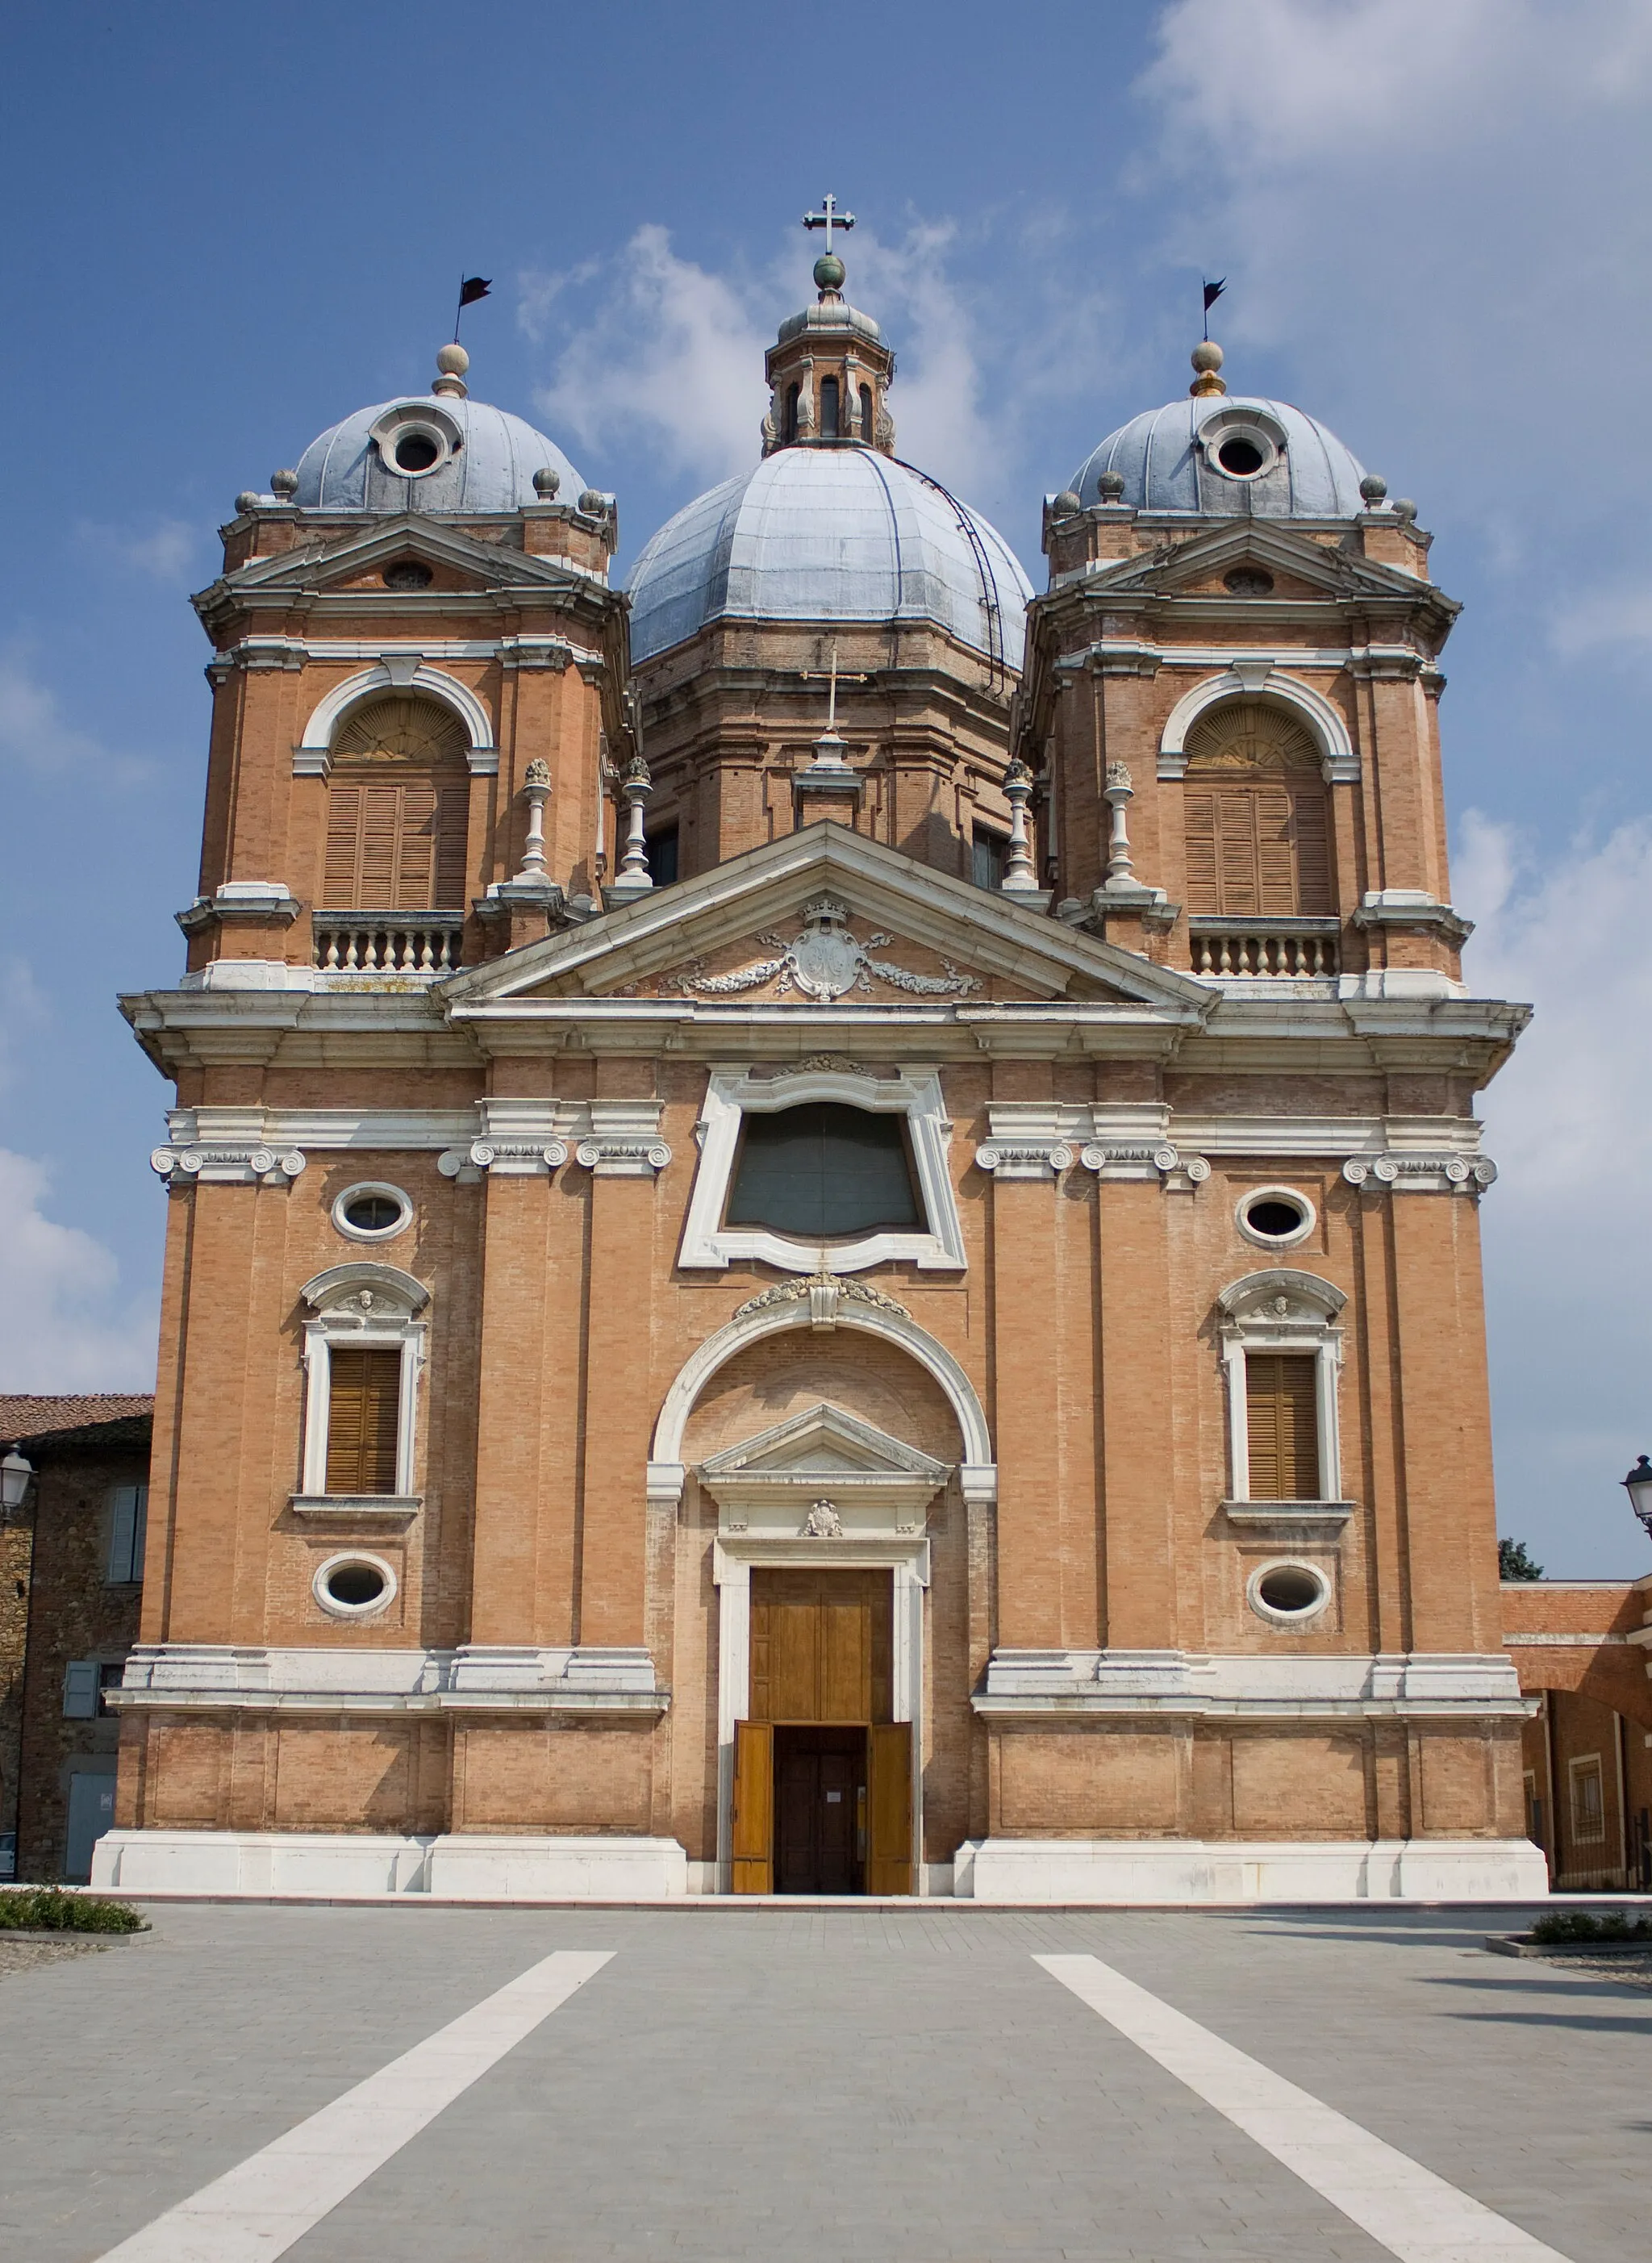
x: 1207, y: 361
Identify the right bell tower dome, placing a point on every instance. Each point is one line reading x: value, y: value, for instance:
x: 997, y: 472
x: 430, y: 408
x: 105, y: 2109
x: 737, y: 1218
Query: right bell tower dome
x: 1231, y: 701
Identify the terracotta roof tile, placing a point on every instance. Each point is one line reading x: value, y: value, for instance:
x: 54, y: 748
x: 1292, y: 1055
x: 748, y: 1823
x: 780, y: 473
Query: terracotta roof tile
x: 28, y: 1415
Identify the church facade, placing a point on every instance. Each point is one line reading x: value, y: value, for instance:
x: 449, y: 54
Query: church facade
x: 823, y: 1214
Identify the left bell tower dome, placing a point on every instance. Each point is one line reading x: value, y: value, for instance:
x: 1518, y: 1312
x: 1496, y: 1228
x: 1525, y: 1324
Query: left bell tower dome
x: 418, y: 671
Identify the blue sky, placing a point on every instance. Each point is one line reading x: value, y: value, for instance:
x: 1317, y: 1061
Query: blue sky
x: 228, y: 228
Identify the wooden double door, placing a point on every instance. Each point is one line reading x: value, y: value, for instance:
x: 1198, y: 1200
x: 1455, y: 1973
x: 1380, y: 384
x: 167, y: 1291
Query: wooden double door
x: 822, y: 1773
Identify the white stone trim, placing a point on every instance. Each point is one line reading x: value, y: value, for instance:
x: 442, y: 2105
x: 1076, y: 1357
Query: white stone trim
x: 1307, y: 1221
x: 477, y: 1677
x: 978, y: 1471
x: 395, y: 669
x: 372, y: 1237
x: 1194, y: 1870
x: 1318, y: 1573
x: 1260, y: 674
x: 732, y: 1559
x: 731, y: 1092
x: 367, y: 1307
x: 1282, y: 1311
x: 623, y: 1139
x: 370, y: 1866
x: 1263, y: 1685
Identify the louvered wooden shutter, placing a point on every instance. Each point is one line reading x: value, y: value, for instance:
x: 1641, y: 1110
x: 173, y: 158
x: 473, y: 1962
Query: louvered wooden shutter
x: 1204, y: 891
x: 361, y: 1423
x: 1282, y: 1418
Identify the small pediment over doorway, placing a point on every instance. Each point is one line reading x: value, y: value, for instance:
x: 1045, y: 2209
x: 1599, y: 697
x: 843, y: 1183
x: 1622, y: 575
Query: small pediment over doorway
x: 822, y: 1475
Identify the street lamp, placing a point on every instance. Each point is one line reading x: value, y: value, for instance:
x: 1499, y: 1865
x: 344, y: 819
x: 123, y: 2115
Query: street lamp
x: 1638, y: 1485
x: 15, y: 1472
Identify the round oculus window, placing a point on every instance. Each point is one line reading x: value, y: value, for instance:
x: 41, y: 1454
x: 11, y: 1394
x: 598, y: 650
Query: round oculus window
x: 1289, y: 1591
x: 371, y: 1213
x: 354, y: 1586
x: 408, y: 574
x: 416, y: 452
x: 1275, y: 1217
x: 1248, y: 582
x: 1239, y: 457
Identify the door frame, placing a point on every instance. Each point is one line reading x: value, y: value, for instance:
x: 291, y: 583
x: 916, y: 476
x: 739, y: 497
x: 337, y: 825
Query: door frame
x: 732, y: 1561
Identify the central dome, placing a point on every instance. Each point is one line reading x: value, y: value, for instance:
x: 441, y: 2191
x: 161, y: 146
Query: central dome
x: 830, y: 534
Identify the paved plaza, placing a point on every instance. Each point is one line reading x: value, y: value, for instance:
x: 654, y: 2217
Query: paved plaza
x: 818, y: 2085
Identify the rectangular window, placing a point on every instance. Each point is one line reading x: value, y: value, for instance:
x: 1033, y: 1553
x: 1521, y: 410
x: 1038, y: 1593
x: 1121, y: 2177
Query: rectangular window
x: 988, y: 851
x: 364, y: 1409
x: 1589, y: 1805
x: 128, y: 1515
x: 1282, y: 1420
x: 662, y: 856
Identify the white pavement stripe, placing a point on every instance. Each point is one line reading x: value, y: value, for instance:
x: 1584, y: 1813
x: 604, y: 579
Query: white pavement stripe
x: 1406, y: 2208
x: 257, y: 2211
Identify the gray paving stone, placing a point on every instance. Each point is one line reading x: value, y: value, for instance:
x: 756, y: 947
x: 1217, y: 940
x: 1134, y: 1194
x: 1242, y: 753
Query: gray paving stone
x: 821, y: 2086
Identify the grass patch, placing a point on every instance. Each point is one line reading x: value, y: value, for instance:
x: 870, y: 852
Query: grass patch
x: 46, y: 1909
x: 1579, y: 1925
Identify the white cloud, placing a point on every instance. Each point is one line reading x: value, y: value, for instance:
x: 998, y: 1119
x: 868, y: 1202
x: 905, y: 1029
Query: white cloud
x: 667, y: 348
x: 34, y: 731
x: 63, y: 1323
x: 1619, y: 620
x: 1447, y: 208
x: 164, y: 552
x: 1569, y: 1222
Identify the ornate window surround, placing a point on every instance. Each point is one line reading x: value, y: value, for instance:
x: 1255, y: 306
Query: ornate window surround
x: 368, y: 1307
x: 731, y: 1091
x: 1283, y: 1311
x: 396, y: 671
x: 1261, y: 678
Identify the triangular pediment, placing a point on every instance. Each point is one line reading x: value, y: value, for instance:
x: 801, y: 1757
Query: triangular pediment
x: 822, y: 917
x: 823, y: 1443
x: 1299, y: 567
x: 354, y: 562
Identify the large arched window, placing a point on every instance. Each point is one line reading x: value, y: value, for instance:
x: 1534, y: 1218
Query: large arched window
x: 397, y: 801
x: 824, y: 1172
x: 1256, y: 820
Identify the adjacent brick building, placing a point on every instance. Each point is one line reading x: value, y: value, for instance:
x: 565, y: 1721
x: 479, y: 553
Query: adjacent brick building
x: 71, y: 1565
x: 824, y: 1216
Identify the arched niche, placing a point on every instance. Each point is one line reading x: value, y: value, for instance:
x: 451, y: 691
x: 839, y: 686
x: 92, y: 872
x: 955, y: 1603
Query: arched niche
x: 1255, y: 814
x: 398, y: 807
x: 1261, y: 681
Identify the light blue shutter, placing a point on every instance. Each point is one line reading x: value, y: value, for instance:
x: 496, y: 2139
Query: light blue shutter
x: 80, y: 1689
x: 122, y: 1528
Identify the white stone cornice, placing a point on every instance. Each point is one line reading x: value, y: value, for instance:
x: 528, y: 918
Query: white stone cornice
x: 1419, y: 1686
x: 475, y: 1678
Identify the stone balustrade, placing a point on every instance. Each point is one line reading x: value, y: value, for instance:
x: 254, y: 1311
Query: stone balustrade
x: 388, y: 942
x: 1300, y: 950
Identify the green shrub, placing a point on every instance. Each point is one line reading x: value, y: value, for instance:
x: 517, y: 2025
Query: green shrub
x: 47, y: 1909
x: 1579, y: 1925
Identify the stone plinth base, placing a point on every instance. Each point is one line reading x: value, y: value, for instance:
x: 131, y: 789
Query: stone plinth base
x: 1123, y: 1870
x: 456, y: 1867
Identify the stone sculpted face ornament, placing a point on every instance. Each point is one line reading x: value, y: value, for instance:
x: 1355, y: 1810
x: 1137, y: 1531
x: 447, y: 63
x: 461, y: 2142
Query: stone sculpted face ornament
x: 826, y: 961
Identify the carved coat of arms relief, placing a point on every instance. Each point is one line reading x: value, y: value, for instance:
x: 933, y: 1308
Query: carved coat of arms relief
x: 826, y: 961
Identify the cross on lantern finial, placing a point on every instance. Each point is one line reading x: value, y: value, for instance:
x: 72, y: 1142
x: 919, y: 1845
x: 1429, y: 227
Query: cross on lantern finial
x: 828, y: 217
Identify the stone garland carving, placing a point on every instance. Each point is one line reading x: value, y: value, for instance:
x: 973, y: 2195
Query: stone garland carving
x: 834, y: 1286
x: 1389, y: 1170
x: 815, y: 1063
x: 825, y: 962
